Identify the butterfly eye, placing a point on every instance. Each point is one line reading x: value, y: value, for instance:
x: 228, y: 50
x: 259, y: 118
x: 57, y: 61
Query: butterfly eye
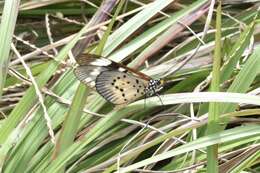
x: 162, y: 82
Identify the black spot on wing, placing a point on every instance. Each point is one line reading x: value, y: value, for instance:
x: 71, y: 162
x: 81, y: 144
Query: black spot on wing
x: 116, y: 88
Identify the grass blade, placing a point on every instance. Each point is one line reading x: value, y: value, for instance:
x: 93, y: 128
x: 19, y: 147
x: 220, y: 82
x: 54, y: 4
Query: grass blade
x: 214, y: 109
x: 8, y: 22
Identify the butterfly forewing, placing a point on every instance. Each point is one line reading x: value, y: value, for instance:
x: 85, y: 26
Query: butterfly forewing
x: 87, y: 74
x: 90, y: 66
x: 119, y: 88
x: 94, y: 60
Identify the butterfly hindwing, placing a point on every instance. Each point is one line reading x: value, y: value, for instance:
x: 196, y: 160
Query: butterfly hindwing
x: 119, y: 87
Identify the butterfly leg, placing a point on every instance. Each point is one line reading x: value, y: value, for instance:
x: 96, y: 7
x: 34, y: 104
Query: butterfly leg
x: 145, y: 96
x: 159, y: 97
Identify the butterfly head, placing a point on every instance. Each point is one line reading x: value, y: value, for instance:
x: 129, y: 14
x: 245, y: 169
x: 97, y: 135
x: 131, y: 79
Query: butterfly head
x: 154, y: 86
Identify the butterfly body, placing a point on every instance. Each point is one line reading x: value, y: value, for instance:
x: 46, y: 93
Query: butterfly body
x: 115, y: 82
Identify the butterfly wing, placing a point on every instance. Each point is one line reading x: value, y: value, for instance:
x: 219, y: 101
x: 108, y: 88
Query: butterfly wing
x: 87, y: 74
x: 115, y: 82
x: 90, y: 66
x: 95, y: 60
x: 119, y: 87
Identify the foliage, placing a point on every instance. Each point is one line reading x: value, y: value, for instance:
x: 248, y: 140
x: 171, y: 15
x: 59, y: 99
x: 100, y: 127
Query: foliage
x: 164, y: 39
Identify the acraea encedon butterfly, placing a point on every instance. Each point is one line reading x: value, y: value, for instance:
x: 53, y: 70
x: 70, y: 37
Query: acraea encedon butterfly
x: 115, y: 82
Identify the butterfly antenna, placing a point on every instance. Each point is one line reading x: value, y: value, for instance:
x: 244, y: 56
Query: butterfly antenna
x: 145, y: 96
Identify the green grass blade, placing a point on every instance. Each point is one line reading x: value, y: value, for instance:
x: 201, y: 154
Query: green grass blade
x: 92, y: 140
x: 214, y: 109
x: 104, y: 38
x: 133, y: 24
x: 221, y: 137
x: 236, y: 52
x: 247, y: 74
x: 72, y: 120
x: 8, y: 22
x: 24, y: 149
x: 152, y: 33
x: 29, y: 98
x: 112, y: 118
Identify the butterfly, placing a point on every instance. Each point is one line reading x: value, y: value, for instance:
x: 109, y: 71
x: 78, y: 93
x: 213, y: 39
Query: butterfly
x: 115, y: 82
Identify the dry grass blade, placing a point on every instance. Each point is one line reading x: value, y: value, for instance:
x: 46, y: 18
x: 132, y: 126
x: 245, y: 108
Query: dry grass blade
x: 39, y: 94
